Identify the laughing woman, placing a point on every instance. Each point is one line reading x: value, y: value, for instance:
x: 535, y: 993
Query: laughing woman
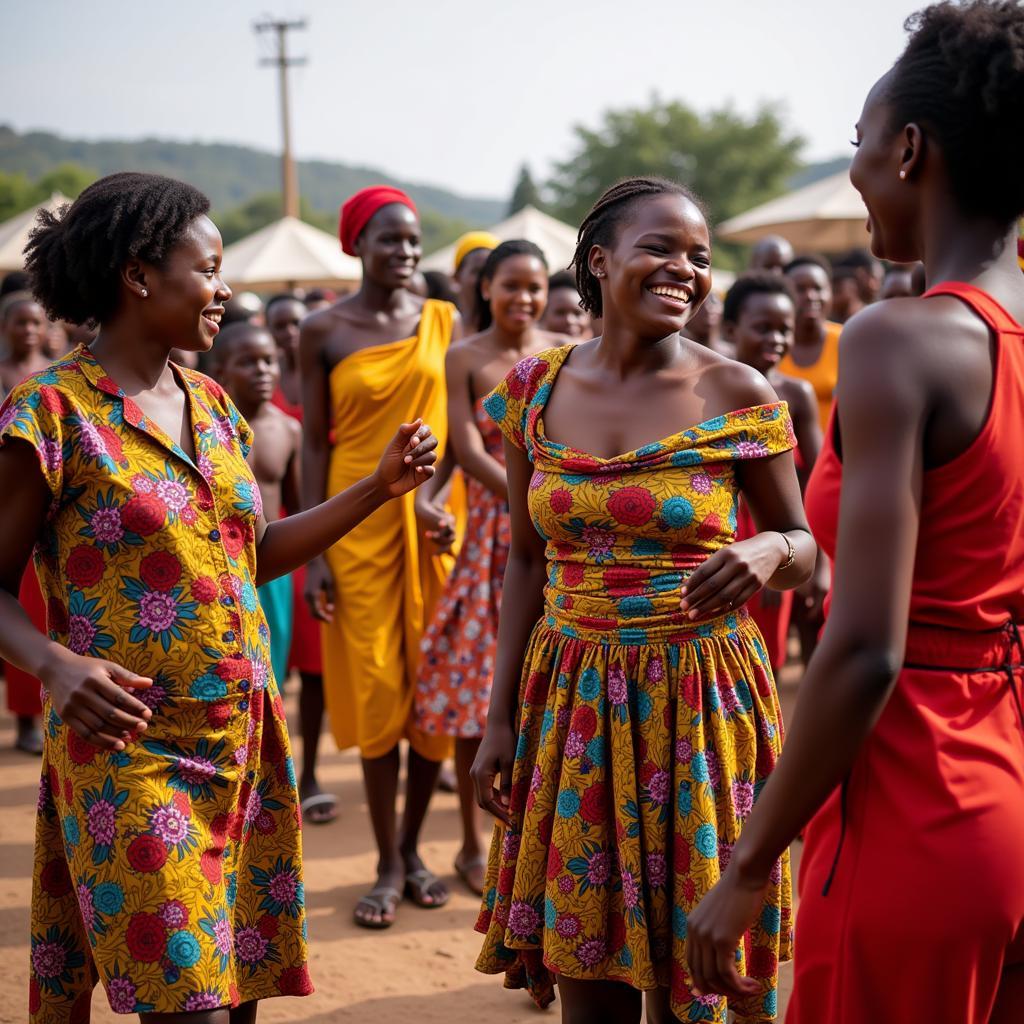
x: 168, y: 861
x: 633, y: 714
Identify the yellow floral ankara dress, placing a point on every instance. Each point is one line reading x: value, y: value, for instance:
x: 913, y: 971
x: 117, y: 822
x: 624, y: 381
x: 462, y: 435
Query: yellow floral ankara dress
x: 643, y: 738
x: 169, y: 872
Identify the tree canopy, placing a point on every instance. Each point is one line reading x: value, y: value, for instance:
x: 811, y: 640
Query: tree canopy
x: 732, y: 162
x: 526, y: 192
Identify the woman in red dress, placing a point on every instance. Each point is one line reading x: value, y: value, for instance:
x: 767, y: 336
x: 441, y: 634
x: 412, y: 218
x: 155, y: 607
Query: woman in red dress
x: 908, y: 743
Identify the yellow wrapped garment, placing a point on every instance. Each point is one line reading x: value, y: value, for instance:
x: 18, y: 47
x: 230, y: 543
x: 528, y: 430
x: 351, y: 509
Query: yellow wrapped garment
x: 387, y: 580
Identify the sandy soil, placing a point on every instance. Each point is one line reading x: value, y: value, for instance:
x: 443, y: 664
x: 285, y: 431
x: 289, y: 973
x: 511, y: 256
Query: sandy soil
x: 421, y: 969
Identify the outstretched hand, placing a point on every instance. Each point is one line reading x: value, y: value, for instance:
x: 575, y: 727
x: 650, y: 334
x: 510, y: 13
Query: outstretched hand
x: 408, y: 460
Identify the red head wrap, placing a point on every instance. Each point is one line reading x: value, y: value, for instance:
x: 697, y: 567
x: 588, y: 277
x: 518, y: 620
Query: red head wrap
x: 358, y: 209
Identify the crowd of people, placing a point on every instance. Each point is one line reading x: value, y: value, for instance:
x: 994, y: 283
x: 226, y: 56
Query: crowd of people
x: 212, y: 496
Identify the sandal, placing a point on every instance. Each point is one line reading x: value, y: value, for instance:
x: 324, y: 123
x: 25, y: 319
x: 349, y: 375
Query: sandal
x: 381, y: 900
x: 475, y: 866
x: 417, y: 886
x: 326, y: 803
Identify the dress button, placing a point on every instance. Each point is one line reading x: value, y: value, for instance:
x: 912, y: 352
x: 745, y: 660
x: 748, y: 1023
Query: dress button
x: 228, y: 637
x: 243, y: 705
x: 227, y: 600
x: 215, y: 535
x: 244, y: 685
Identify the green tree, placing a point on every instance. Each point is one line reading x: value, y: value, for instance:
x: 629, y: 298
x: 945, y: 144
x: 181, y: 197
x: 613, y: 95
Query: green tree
x: 525, y: 193
x: 17, y: 193
x: 732, y: 162
x: 68, y: 178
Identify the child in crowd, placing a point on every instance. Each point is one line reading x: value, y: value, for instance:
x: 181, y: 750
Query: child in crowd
x: 23, y: 325
x: 245, y: 363
x: 758, y: 320
x: 564, y: 314
x: 459, y: 646
x: 284, y: 314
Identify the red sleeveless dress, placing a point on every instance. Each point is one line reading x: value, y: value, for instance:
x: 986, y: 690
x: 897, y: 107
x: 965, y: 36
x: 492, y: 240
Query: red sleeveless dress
x: 912, y: 878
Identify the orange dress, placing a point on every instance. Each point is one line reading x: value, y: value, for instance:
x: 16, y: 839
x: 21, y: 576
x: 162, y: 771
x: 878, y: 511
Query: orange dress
x: 459, y: 647
x: 823, y: 374
x: 924, y: 842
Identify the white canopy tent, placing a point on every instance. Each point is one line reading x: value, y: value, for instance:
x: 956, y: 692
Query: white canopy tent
x: 827, y: 216
x: 14, y: 232
x: 555, y: 238
x: 286, y: 253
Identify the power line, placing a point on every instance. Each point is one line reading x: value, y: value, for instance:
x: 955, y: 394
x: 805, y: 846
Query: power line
x: 289, y: 179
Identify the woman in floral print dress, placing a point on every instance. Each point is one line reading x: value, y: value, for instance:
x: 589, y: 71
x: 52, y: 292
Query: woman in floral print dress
x: 633, y: 715
x: 168, y: 858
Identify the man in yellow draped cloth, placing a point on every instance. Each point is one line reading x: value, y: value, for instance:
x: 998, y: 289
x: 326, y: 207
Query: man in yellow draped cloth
x: 373, y: 359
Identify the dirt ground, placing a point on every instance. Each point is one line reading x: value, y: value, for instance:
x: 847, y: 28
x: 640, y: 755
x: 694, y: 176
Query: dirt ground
x: 421, y: 969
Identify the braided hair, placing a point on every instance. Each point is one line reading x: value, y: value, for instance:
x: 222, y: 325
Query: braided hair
x: 961, y: 78
x: 601, y: 225
x: 74, y: 256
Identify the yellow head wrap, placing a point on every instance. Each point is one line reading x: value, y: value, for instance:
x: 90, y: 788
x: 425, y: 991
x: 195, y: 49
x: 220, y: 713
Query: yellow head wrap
x: 471, y: 241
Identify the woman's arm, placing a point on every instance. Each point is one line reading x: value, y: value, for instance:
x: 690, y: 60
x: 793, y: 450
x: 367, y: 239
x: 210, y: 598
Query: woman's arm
x: 291, y: 485
x: 883, y: 407
x: 734, y: 574
x: 87, y: 693
x: 523, y: 588
x: 463, y: 434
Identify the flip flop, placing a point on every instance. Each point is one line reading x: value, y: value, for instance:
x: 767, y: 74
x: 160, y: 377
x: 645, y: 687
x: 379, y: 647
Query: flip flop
x: 382, y: 899
x: 312, y: 803
x: 465, y: 870
x: 416, y: 885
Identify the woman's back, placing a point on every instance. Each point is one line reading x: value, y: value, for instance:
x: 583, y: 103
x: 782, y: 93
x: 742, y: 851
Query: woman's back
x: 969, y: 569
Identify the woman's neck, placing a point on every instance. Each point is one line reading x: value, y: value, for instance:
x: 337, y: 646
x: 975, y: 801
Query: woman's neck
x: 378, y: 298
x: 131, y: 355
x: 809, y: 333
x: 957, y: 248
x: 515, y: 341
x: 623, y: 352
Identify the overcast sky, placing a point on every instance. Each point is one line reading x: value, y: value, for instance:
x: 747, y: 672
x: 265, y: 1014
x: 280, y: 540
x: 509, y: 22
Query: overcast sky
x: 450, y: 92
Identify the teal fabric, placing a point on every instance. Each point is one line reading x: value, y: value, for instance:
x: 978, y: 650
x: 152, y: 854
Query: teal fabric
x: 276, y: 599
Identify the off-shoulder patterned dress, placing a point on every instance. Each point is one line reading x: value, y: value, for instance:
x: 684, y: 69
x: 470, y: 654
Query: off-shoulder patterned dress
x: 169, y: 872
x: 643, y: 738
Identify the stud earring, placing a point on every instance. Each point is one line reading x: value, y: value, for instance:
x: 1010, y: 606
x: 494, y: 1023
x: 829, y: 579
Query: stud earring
x: 903, y: 175
x: 598, y: 273
x: 144, y: 293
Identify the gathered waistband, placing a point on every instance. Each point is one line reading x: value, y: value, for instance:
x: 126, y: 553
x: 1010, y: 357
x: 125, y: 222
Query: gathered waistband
x: 663, y: 629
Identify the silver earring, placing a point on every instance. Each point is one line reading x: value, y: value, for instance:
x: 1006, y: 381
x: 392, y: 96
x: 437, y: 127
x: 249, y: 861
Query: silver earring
x: 144, y: 293
x: 598, y: 273
x: 903, y: 175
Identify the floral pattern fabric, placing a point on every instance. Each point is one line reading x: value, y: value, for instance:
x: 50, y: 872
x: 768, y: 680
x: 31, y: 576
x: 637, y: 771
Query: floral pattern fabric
x: 459, y: 646
x: 643, y: 738
x: 171, y: 871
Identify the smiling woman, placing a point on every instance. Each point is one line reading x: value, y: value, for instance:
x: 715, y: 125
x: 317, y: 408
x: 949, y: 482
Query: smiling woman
x: 367, y: 359
x: 633, y: 714
x: 168, y: 807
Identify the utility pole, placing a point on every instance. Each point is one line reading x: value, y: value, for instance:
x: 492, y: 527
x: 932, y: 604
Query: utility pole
x: 289, y: 180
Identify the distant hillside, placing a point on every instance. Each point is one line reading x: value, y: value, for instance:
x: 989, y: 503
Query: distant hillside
x: 228, y: 174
